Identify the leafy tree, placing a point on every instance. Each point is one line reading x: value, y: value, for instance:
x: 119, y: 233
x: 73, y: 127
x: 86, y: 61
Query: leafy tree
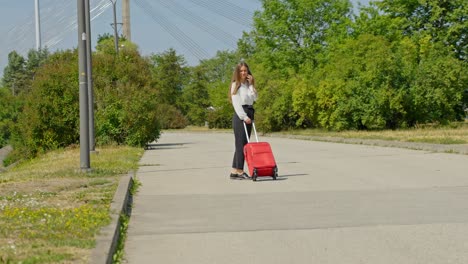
x: 437, y: 90
x: 35, y: 59
x: 304, y: 103
x: 106, y: 44
x: 49, y: 119
x: 445, y: 21
x: 371, y: 20
x: 15, y: 76
x: 273, y: 108
x: 366, y: 75
x: 196, y: 98
x: 126, y: 103
x: 220, y: 67
x: 19, y: 72
x: 218, y: 71
x: 9, y: 109
x: 370, y: 83
x: 356, y: 89
x: 126, y: 109
x: 170, y: 74
x: 290, y: 33
x: 290, y: 40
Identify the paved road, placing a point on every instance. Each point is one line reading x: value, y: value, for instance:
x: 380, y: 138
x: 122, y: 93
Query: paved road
x: 334, y: 203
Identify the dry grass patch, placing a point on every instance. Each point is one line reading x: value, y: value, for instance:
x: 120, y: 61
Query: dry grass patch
x: 50, y: 212
x: 456, y: 133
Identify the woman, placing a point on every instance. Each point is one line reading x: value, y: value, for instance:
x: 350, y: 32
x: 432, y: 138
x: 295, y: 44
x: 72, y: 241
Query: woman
x: 243, y: 95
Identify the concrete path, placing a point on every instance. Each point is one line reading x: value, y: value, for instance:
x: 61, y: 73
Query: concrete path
x: 333, y: 203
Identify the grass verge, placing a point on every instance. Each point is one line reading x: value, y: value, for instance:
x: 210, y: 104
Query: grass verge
x: 50, y: 212
x: 454, y: 133
x: 124, y: 222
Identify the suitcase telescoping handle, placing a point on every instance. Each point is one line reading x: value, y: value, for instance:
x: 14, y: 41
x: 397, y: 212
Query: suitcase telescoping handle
x: 247, y: 134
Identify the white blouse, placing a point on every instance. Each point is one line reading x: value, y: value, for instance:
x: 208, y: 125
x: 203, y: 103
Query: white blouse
x: 246, y: 95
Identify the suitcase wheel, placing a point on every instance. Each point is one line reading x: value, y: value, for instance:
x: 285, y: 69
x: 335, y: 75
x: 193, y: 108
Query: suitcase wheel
x: 254, y: 176
x: 275, y: 173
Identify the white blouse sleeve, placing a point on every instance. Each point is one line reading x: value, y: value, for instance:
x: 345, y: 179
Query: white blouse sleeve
x: 237, y: 103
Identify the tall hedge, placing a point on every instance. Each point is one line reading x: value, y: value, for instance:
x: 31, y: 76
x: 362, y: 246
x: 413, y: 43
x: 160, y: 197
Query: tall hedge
x: 50, y: 118
x: 125, y: 99
x: 125, y: 105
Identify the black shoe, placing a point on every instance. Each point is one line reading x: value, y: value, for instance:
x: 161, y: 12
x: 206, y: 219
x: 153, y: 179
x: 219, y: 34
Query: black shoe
x: 234, y: 176
x: 244, y: 176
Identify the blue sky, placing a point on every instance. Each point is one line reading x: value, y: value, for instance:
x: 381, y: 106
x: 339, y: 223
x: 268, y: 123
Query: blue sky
x: 152, y: 23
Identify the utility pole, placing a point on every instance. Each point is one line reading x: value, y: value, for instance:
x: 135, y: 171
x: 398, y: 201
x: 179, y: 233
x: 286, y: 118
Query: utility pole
x: 126, y: 19
x: 82, y: 72
x: 90, y: 77
x: 116, y: 36
x: 38, y: 25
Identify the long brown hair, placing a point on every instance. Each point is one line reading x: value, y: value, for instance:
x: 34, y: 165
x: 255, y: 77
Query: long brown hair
x: 236, y: 77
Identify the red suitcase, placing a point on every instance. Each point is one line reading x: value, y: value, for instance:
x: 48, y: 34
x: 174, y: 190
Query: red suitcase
x: 259, y: 158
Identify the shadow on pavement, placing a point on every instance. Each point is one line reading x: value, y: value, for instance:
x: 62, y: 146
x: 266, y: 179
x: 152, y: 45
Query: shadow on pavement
x: 279, y: 178
x: 166, y: 145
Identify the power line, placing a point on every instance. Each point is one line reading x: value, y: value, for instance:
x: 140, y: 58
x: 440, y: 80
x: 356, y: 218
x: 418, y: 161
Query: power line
x: 227, y: 10
x: 173, y: 30
x: 69, y: 23
x: 57, y: 20
x: 206, y: 26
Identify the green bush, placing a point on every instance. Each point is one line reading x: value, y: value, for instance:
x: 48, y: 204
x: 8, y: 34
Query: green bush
x: 170, y: 117
x: 354, y: 89
x: 438, y: 88
x: 49, y: 119
x: 125, y: 99
x: 195, y: 97
x: 125, y: 105
x: 273, y: 109
x: 9, y: 108
x: 220, y: 117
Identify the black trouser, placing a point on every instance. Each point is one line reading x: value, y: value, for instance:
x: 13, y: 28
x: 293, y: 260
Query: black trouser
x: 240, y: 137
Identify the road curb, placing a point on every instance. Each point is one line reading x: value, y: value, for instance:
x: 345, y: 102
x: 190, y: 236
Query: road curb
x: 439, y: 148
x: 107, y: 240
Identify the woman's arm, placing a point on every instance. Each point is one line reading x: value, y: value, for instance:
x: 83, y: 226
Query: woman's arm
x: 252, y: 91
x: 237, y: 104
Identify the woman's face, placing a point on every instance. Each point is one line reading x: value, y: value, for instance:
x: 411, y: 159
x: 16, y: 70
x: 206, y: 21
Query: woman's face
x: 243, y: 72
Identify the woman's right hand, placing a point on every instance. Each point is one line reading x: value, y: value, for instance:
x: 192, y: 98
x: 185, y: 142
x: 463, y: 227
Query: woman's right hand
x: 250, y: 79
x: 248, y: 121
